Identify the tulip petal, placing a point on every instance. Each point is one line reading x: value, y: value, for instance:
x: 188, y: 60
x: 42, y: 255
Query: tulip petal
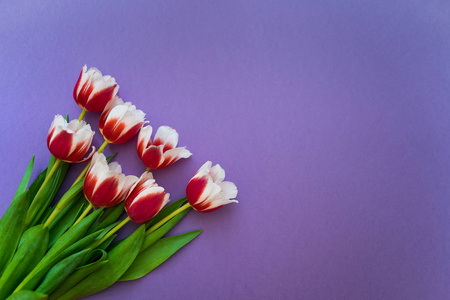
x: 153, y: 157
x: 144, y: 139
x: 147, y: 204
x: 61, y: 145
x: 217, y: 174
x: 173, y: 155
x: 105, y: 190
x: 229, y: 189
x: 166, y: 136
x: 87, y: 157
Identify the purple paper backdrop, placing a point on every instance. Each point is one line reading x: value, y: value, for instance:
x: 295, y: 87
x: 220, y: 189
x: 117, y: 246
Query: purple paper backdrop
x: 333, y: 120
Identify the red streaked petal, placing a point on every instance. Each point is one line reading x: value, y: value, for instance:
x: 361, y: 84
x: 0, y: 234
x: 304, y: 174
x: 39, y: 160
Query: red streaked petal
x: 152, y: 157
x: 173, y: 155
x: 98, y: 101
x: 77, y: 85
x: 112, y: 130
x: 166, y: 136
x: 61, y: 145
x: 146, y: 206
x: 89, y: 185
x: 87, y: 157
x: 144, y: 139
x: 195, y: 189
x: 129, y: 134
x: 85, y: 91
x: 105, y: 191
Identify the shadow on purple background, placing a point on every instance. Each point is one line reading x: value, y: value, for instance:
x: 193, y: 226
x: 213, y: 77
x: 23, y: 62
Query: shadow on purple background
x: 332, y: 119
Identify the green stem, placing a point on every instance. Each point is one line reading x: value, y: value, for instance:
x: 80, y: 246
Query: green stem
x: 167, y: 218
x: 84, y: 214
x: 83, y: 112
x: 47, y: 178
x: 102, y: 147
x: 60, y: 206
x: 111, y: 232
x: 147, y: 170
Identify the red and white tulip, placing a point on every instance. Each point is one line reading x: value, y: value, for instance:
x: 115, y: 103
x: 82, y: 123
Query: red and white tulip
x: 105, y: 184
x: 162, y: 152
x: 93, y: 91
x: 145, y: 199
x: 70, y: 141
x: 120, y: 121
x: 207, y: 191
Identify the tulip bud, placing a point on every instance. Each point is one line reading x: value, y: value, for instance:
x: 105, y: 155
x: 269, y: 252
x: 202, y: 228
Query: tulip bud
x: 207, y: 191
x: 93, y: 91
x: 105, y: 184
x: 145, y: 199
x: 120, y: 121
x: 161, y: 152
x: 70, y: 141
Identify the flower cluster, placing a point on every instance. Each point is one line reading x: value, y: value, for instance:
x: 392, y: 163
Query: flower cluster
x: 59, y: 241
x: 106, y: 185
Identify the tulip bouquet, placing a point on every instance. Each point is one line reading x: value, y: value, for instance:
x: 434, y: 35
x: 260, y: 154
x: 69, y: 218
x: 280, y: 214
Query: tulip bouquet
x: 67, y: 250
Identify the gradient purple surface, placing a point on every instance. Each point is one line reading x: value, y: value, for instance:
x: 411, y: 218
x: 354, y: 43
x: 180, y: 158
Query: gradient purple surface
x: 332, y: 119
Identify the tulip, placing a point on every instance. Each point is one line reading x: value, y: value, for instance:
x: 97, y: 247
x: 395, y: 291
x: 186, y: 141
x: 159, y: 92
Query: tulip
x: 161, y: 152
x: 207, y: 191
x: 145, y: 199
x: 105, y: 184
x: 120, y: 121
x: 70, y: 141
x: 93, y: 91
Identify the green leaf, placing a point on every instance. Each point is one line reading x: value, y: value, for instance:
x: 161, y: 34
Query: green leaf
x: 156, y: 254
x: 27, y: 295
x: 66, y: 245
x: 34, y: 187
x: 51, y: 162
x: 120, y: 259
x: 111, y: 157
x: 45, y: 194
x: 25, y: 179
x: 68, y: 199
x: 69, y: 216
x: 109, y: 216
x: 165, y: 212
x: 93, y: 256
x: 106, y: 243
x: 60, y: 271
x: 31, y: 250
x: 11, y: 228
x: 151, y: 238
x: 81, y: 273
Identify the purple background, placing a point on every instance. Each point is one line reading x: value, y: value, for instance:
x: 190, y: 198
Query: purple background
x: 333, y: 120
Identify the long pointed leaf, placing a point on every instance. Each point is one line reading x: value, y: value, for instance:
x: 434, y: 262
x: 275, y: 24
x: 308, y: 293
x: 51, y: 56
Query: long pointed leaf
x: 120, y: 258
x: 34, y: 187
x: 46, y: 193
x: 109, y: 216
x: 165, y: 212
x: 31, y: 250
x: 66, y: 221
x: 67, y: 200
x: 60, y: 271
x: 27, y: 295
x: 156, y: 254
x: 151, y: 238
x: 25, y: 179
x: 11, y: 228
x: 61, y: 249
x: 81, y: 273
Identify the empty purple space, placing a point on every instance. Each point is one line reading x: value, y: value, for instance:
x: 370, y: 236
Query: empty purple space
x: 332, y: 118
